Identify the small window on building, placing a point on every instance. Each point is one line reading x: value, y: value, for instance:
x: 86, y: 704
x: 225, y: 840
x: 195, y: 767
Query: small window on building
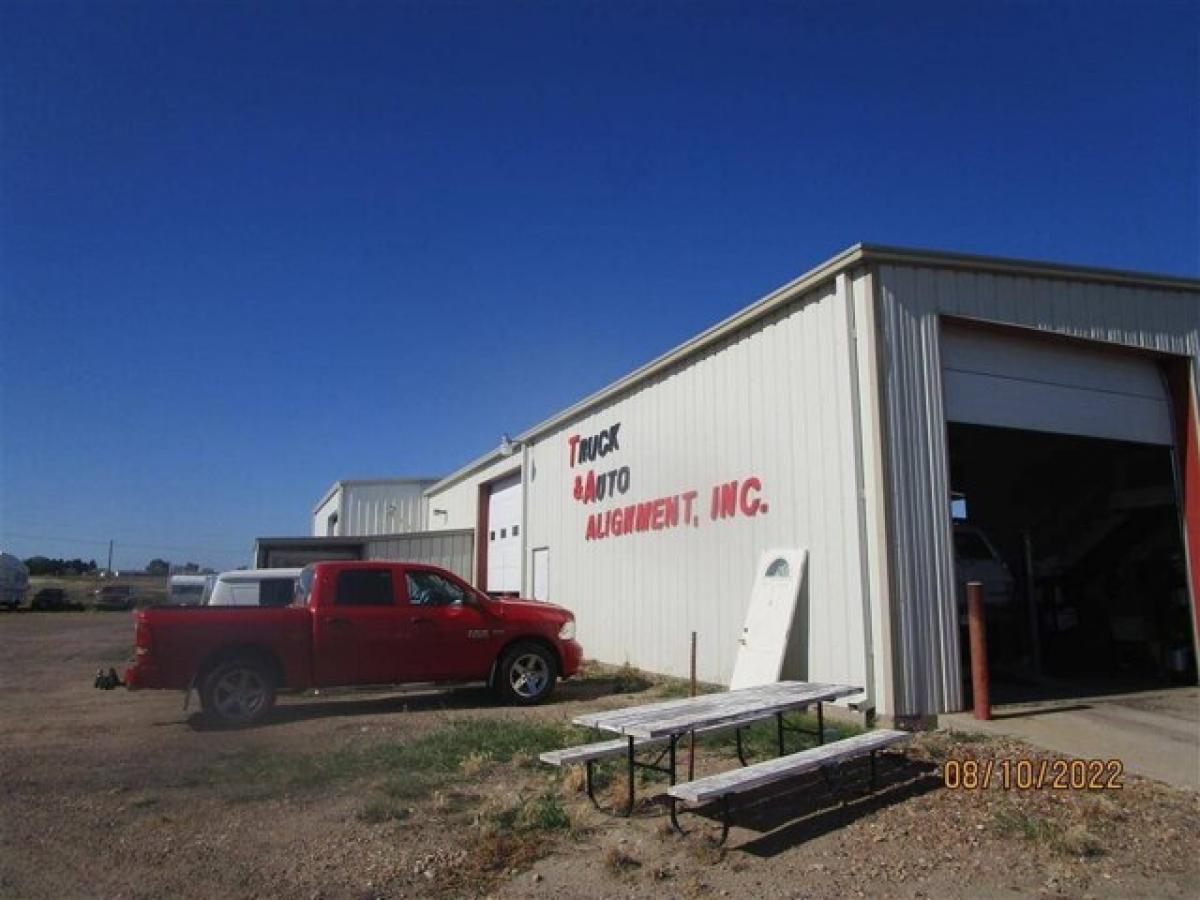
x: 364, y: 587
x: 516, y: 530
x: 491, y: 536
x: 503, y: 532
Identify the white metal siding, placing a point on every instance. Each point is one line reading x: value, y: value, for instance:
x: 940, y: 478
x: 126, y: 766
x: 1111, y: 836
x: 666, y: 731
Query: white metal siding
x: 925, y: 633
x: 459, y: 502
x: 321, y: 516
x: 453, y: 550
x: 382, y: 509
x: 772, y: 401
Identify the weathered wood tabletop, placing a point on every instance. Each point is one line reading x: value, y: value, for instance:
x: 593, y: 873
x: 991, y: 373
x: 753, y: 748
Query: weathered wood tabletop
x: 656, y: 720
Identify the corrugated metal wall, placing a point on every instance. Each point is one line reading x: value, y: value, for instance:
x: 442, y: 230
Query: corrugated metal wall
x: 453, y: 550
x: 383, y: 509
x: 457, y: 505
x: 321, y: 516
x: 925, y: 631
x: 774, y: 402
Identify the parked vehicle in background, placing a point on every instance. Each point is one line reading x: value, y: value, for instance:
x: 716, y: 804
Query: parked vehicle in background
x: 53, y: 600
x: 253, y: 587
x: 113, y: 597
x: 14, y: 581
x: 188, y: 590
x: 976, y: 559
x: 354, y: 623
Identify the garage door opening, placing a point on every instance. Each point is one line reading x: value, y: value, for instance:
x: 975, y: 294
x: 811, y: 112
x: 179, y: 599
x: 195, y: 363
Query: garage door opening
x: 1078, y: 542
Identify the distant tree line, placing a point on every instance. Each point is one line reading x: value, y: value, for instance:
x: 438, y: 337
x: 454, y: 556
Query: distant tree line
x: 44, y: 565
x: 163, y: 567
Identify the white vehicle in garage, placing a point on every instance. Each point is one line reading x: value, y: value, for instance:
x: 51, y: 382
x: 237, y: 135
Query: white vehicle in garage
x: 976, y: 559
x: 254, y: 587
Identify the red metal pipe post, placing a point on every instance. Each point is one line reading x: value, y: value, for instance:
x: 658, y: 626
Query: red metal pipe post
x: 977, y: 629
x: 692, y: 735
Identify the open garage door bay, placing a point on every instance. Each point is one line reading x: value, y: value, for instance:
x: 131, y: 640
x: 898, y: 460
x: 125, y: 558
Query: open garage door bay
x: 992, y: 378
x: 1066, y: 506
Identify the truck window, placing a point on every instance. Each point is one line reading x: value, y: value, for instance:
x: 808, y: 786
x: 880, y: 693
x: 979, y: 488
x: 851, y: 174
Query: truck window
x: 364, y: 587
x: 304, y: 585
x: 276, y: 591
x: 431, y: 589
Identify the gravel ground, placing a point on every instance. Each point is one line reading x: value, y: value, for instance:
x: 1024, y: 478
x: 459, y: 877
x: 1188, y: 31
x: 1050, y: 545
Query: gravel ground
x: 126, y: 795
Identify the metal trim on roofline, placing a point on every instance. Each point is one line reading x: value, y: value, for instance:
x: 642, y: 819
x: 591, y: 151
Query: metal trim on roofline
x: 857, y: 254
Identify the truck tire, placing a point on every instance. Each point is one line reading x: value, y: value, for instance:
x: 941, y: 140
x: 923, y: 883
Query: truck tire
x: 238, y: 691
x: 526, y: 674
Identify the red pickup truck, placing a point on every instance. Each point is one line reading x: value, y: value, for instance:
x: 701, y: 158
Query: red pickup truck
x: 354, y: 623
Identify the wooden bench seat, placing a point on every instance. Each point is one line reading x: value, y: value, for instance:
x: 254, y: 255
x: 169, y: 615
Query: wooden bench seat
x: 724, y: 786
x: 591, y: 752
x: 737, y: 781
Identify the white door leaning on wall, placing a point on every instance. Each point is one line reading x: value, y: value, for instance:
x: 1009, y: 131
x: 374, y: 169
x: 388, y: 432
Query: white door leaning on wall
x: 763, y: 643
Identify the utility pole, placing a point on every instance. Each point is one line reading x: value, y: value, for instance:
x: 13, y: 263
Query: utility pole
x: 109, y: 569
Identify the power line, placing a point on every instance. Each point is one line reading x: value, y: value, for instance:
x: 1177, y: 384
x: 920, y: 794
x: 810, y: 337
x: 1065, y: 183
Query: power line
x: 135, y: 544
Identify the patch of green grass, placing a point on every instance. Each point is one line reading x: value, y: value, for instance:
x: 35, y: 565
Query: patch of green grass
x: 761, y: 740
x: 412, y: 769
x: 628, y: 680
x: 1016, y: 822
x: 670, y: 688
x: 543, y: 812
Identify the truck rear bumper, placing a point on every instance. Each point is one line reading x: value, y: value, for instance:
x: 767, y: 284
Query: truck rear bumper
x: 139, y: 676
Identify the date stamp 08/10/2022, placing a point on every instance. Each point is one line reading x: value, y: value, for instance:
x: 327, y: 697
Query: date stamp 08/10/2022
x: 1034, y: 774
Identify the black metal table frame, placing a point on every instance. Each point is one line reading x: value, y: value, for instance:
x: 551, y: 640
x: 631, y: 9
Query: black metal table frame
x: 632, y: 763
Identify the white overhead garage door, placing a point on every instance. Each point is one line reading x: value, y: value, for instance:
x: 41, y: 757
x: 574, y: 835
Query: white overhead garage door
x: 504, y: 535
x: 992, y: 378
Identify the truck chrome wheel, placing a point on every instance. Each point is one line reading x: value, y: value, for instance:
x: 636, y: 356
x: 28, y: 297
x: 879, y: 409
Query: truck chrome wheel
x: 528, y: 675
x: 239, y: 694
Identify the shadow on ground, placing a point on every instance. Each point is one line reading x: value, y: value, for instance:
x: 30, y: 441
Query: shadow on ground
x: 816, y: 805
x: 347, y: 705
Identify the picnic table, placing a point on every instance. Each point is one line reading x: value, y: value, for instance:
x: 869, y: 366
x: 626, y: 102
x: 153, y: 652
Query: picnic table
x: 672, y: 719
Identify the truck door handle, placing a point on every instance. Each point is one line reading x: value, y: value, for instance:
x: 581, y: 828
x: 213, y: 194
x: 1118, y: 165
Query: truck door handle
x: 422, y: 621
x: 337, y: 620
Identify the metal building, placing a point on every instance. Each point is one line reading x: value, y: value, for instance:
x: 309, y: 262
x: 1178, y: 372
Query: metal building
x: 453, y: 550
x: 359, y: 507
x: 907, y: 417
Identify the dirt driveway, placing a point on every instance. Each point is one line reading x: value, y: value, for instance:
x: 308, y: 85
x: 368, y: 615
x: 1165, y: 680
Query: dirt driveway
x: 364, y: 795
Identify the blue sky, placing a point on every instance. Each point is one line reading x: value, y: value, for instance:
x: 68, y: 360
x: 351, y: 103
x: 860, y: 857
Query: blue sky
x: 248, y: 249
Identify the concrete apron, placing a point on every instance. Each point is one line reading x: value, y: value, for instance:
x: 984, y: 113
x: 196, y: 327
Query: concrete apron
x: 1155, y: 733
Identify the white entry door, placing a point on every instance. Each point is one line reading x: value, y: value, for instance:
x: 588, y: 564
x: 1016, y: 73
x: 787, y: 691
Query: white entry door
x: 541, y: 573
x: 504, y: 535
x: 763, y: 644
